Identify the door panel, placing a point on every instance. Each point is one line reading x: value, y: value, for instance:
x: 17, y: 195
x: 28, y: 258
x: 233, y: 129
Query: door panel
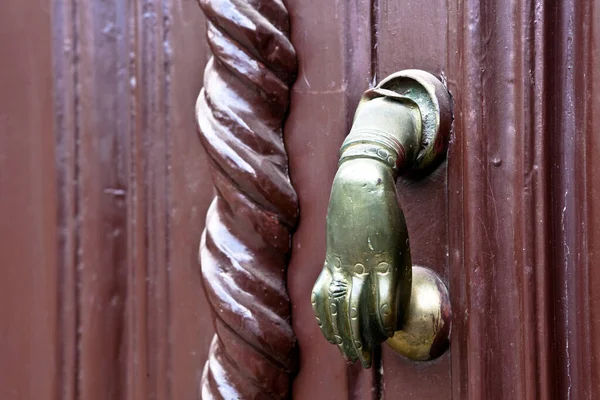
x: 366, y: 42
x: 509, y: 225
x: 133, y: 189
x: 104, y: 202
x: 413, y: 35
x: 334, y: 59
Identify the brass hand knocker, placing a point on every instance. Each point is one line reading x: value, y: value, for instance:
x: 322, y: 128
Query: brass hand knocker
x: 363, y: 295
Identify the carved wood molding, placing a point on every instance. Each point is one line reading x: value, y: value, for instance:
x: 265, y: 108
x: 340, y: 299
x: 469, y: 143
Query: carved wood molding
x: 521, y: 197
x: 244, y: 248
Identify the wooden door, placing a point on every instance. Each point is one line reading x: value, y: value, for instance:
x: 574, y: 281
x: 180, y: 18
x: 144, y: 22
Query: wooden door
x: 105, y: 188
x: 508, y: 220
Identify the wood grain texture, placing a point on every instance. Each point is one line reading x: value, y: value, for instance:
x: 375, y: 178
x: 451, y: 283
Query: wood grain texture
x: 500, y: 224
x: 523, y: 201
x: 133, y: 189
x: 573, y: 79
x: 244, y: 249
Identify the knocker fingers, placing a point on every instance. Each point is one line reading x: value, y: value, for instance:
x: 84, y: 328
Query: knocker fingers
x: 320, y: 304
x: 348, y: 303
x: 357, y: 321
x: 385, y: 290
x: 339, y: 291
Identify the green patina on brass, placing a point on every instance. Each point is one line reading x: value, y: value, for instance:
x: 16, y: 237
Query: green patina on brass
x: 362, y: 296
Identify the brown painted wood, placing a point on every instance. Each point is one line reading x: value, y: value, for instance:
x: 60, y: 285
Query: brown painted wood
x: 104, y: 189
x: 29, y: 316
x: 574, y: 202
x: 333, y: 43
x: 511, y: 223
x: 499, y: 252
x: 190, y: 319
x: 520, y: 251
x: 245, y: 247
x: 401, y: 27
x: 133, y: 187
x: 323, y: 104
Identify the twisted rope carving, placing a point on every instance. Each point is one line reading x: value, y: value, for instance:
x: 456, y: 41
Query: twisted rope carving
x: 245, y: 246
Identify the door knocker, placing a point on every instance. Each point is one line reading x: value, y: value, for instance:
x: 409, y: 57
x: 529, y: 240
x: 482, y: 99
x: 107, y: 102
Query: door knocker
x: 368, y: 291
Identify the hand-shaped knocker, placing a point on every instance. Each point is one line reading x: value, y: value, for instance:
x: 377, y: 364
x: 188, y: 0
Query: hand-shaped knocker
x: 362, y: 294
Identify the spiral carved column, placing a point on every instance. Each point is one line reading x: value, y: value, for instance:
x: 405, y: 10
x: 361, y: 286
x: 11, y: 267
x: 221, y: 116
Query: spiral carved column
x: 245, y: 247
